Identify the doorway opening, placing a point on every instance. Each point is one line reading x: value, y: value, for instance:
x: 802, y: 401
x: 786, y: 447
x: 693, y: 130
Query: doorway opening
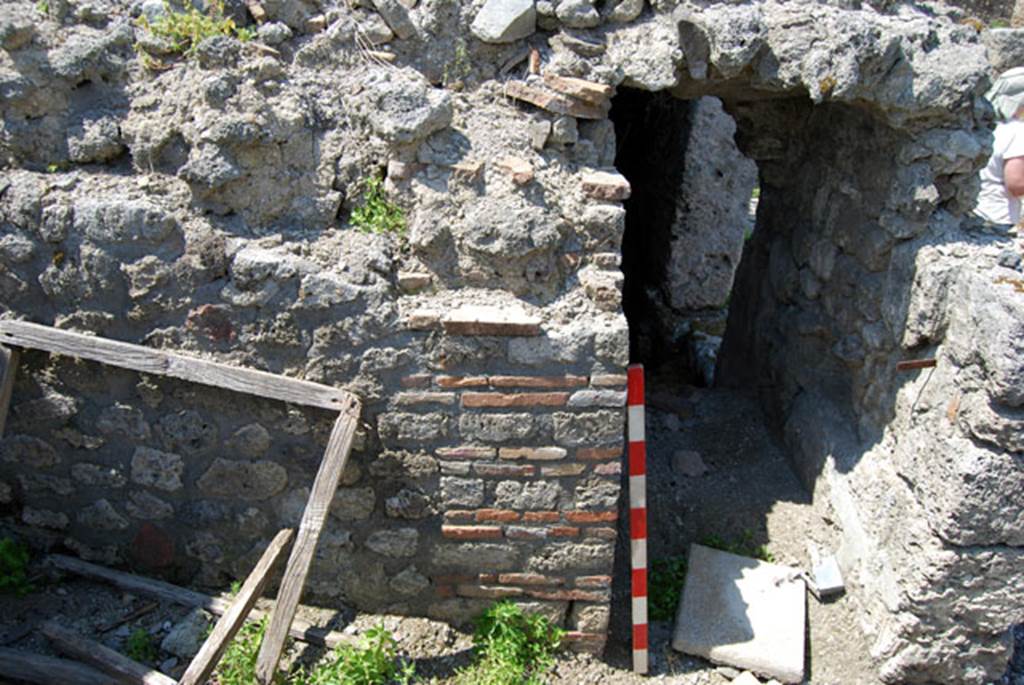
x: 695, y: 263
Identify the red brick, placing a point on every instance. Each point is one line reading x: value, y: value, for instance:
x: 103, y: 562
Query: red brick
x: 529, y: 579
x: 444, y: 590
x: 563, y: 531
x: 600, y: 533
x: 417, y: 380
x: 591, y: 516
x: 608, y: 380
x: 487, y: 592
x: 541, y: 516
x: 521, y: 533
x: 611, y: 468
x: 585, y: 642
x: 497, y: 515
x: 487, y: 578
x: 605, y: 185
x: 538, y: 381
x: 462, y: 381
x: 599, y: 453
x: 471, y: 532
x: 466, y: 452
x: 560, y: 470
x: 533, y: 453
x: 504, y: 470
x: 458, y: 515
x: 474, y: 400
x: 594, y: 581
x: 569, y: 595
x: 152, y: 547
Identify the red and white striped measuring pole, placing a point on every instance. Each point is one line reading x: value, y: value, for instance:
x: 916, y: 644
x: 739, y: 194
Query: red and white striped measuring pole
x: 637, y: 512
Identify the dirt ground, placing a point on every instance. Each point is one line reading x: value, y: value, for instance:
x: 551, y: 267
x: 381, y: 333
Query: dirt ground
x: 748, y: 492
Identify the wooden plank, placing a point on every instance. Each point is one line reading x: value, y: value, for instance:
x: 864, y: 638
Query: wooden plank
x: 208, y: 656
x: 338, y: 447
x: 300, y: 629
x: 8, y: 370
x: 116, y: 665
x: 912, y: 364
x: 161, y: 363
x: 47, y: 670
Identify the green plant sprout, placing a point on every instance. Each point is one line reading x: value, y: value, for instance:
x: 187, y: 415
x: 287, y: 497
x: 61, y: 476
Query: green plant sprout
x: 185, y: 30
x: 139, y: 646
x: 374, y: 662
x: 377, y: 214
x: 14, y: 559
x: 511, y: 647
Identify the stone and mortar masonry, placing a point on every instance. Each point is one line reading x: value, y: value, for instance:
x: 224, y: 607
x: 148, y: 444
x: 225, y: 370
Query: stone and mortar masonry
x: 205, y: 207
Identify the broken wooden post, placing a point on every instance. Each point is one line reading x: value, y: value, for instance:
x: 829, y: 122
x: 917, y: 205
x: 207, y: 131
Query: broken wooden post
x: 300, y: 629
x: 47, y: 670
x: 208, y: 656
x: 8, y: 369
x: 116, y: 665
x: 338, y: 447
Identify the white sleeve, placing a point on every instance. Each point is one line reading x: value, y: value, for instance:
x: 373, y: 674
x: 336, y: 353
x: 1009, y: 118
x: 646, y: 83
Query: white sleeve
x: 1015, y: 145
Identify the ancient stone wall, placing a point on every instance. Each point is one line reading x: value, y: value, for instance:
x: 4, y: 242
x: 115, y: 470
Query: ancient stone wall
x: 205, y: 205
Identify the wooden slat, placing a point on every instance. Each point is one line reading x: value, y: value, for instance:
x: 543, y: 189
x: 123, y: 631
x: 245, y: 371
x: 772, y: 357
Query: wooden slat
x: 338, y: 448
x: 47, y: 670
x: 208, y: 656
x: 913, y: 364
x: 116, y: 665
x: 161, y: 363
x: 8, y: 370
x: 300, y: 629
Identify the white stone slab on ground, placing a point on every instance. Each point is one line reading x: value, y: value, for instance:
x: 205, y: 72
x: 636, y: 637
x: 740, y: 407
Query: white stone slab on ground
x: 743, y: 613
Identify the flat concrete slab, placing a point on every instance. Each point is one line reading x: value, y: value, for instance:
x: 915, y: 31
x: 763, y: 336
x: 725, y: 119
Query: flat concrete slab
x: 743, y: 613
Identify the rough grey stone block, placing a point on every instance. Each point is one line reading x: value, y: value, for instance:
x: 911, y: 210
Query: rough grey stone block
x: 156, y: 469
x: 505, y: 21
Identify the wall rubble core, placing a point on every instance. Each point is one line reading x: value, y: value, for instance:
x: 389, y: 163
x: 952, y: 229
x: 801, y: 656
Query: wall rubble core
x: 206, y: 208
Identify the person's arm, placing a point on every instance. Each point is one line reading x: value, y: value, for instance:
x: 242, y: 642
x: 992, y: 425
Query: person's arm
x: 1013, y: 176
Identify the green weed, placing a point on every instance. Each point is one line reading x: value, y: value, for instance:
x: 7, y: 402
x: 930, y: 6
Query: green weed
x: 744, y: 546
x: 375, y: 662
x: 185, y: 30
x: 14, y: 567
x: 43, y: 7
x: 238, y: 665
x: 511, y: 648
x: 664, y: 586
x: 377, y: 214
x: 459, y: 67
x: 139, y: 646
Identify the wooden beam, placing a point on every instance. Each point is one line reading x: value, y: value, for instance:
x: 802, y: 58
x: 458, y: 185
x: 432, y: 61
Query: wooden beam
x: 208, y: 656
x: 47, y: 670
x: 338, y: 447
x: 913, y: 364
x: 8, y: 370
x: 161, y: 363
x: 116, y: 665
x: 300, y: 629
